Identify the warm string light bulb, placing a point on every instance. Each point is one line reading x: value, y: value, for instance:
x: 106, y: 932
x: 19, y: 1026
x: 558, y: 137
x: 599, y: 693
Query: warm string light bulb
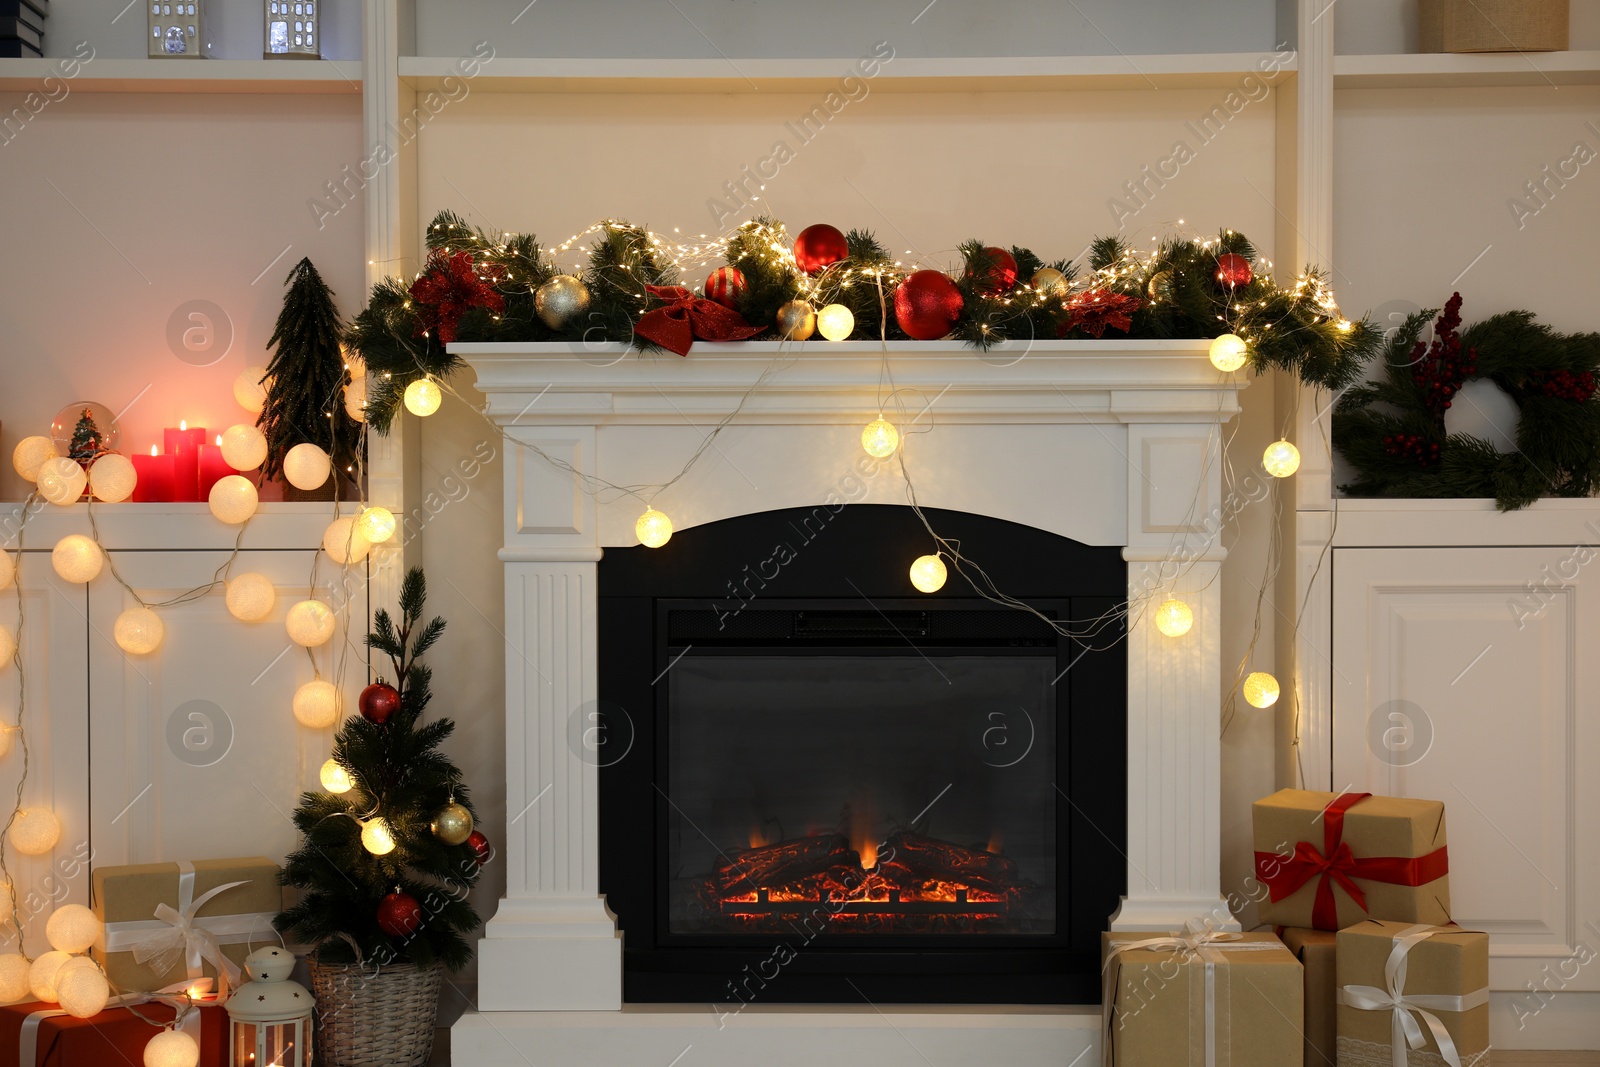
x: 1281, y: 459
x: 244, y: 447
x: 306, y: 466
x: 138, y: 631
x: 423, y: 397
x: 30, y: 454
x: 310, y: 623
x: 1229, y: 352
x: 376, y: 837
x: 653, y: 529
x: 316, y: 704
x: 355, y: 400
x: 334, y: 778
x: 376, y: 524
x: 34, y: 831
x: 13, y: 977
x: 835, y: 322
x: 249, y: 390
x: 61, y: 481
x: 112, y: 478
x: 928, y: 573
x: 172, y: 1048
x: 81, y: 988
x: 233, y: 499
x: 1260, y: 690
x: 72, y: 928
x: 880, y: 438
x: 77, y: 558
x: 42, y: 975
x: 344, y: 541
x: 250, y: 597
x: 1174, y: 618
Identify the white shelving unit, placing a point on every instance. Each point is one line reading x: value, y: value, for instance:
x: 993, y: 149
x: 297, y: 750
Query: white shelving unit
x: 191, y: 76
x: 1442, y: 70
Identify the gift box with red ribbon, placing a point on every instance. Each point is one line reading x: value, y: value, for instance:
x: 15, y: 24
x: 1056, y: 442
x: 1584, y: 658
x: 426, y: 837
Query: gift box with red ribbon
x: 41, y: 1035
x: 1330, y: 860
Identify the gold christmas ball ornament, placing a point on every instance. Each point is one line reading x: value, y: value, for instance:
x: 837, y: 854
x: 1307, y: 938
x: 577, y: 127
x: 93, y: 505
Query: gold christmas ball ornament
x: 880, y: 438
x: 42, y: 975
x: 13, y: 977
x: 1047, y: 281
x: 233, y: 499
x: 1229, y: 352
x: 376, y: 524
x: 334, y: 778
x: 72, y: 928
x: 30, y: 454
x: 138, y: 631
x: 376, y: 837
x: 1281, y: 459
x: 34, y: 831
x: 244, y: 448
x: 307, y: 466
x: 796, y: 321
x: 172, y: 1048
x: 836, y: 322
x: 112, y: 478
x: 423, y: 397
x: 77, y: 558
x: 81, y: 988
x: 250, y: 391
x: 452, y: 824
x: 653, y: 529
x: 1260, y: 690
x: 310, y: 623
x: 1159, y: 288
x: 250, y: 597
x: 344, y: 541
x: 928, y: 573
x: 61, y: 481
x: 1174, y: 618
x: 560, y: 301
x: 355, y: 400
x: 316, y: 704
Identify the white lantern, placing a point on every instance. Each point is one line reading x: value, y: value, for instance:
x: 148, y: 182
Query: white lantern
x: 77, y: 558
x: 310, y: 623
x: 81, y: 987
x: 42, y: 975
x: 249, y: 389
x: 8, y: 570
x: 250, y: 597
x: 138, y: 631
x: 355, y: 400
x: 72, y: 928
x: 376, y: 837
x: 233, y: 499
x: 344, y: 541
x: 423, y: 397
x: 270, y: 1015
x: 653, y: 529
x: 34, y: 831
x: 307, y: 466
x: 61, y: 481
x: 376, y: 524
x: 13, y: 977
x: 244, y: 448
x: 316, y: 705
x: 928, y: 573
x: 112, y: 478
x: 30, y: 454
x: 172, y: 1048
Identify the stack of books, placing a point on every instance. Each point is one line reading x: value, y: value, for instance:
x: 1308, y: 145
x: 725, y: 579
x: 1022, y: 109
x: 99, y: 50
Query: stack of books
x: 22, y: 27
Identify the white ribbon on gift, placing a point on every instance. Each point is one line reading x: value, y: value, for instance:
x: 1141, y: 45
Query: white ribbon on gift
x: 1208, y: 945
x: 177, y: 933
x: 1406, y: 1009
x: 189, y: 1022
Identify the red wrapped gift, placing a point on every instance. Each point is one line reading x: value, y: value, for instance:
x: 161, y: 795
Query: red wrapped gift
x: 115, y: 1036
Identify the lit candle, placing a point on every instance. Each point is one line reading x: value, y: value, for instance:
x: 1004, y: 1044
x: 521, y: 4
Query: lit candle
x: 155, y: 476
x: 213, y: 468
x: 184, y: 445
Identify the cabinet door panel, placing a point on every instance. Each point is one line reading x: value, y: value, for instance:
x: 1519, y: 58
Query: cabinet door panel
x: 196, y: 750
x: 1454, y: 681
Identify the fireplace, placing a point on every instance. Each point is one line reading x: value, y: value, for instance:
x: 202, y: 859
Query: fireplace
x: 808, y: 769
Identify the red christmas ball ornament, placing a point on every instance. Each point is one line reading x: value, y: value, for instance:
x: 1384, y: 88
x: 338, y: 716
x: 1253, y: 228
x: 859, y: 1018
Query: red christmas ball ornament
x: 1233, y: 270
x: 927, y: 305
x: 399, y: 914
x: 482, y: 851
x: 725, y: 285
x: 1002, y: 272
x: 818, y: 246
x: 378, y: 702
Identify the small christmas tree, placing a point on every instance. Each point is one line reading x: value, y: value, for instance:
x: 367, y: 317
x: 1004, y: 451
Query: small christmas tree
x: 88, y: 443
x: 305, y: 401
x: 407, y: 902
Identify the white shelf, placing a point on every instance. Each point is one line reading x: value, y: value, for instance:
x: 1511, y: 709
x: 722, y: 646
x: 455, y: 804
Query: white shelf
x: 187, y: 75
x: 1013, y: 74
x: 1445, y: 70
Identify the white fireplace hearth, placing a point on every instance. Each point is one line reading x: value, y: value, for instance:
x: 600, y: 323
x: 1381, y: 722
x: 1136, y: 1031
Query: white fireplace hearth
x: 1108, y: 443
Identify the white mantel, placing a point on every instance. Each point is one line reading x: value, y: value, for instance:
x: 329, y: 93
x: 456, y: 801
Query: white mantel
x: 1109, y: 443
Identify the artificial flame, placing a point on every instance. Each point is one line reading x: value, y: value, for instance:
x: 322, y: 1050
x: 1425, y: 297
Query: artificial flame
x: 869, y: 854
x: 995, y: 845
x: 758, y: 839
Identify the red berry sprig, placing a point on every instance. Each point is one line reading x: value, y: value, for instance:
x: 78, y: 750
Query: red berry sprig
x: 1440, y: 368
x: 1565, y: 385
x: 1412, y: 446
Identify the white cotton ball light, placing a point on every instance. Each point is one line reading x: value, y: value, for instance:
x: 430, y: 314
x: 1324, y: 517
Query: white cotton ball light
x: 334, y: 777
x: 77, y: 558
x: 233, y: 499
x: 34, y: 831
x: 1229, y: 352
x: 30, y: 454
x: 344, y: 542
x: 376, y: 524
x: 316, y: 705
x: 1281, y: 459
x: 1174, y: 618
x: 1261, y: 690
x: 172, y: 1048
x: 42, y: 975
x: 81, y: 988
x: 928, y: 573
x: 138, y: 631
x: 310, y: 623
x: 61, y: 481
x: 250, y: 597
x: 354, y: 364
x: 355, y: 400
x: 307, y: 466
x: 423, y: 397
x: 880, y: 438
x: 376, y: 837
x: 835, y: 322
x: 653, y: 529
x: 112, y: 478
x: 72, y: 928
x: 249, y: 389
x: 244, y: 448
x: 14, y: 969
x: 8, y: 570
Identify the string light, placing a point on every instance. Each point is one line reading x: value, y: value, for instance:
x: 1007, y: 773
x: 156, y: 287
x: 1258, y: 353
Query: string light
x: 30, y: 454
x: 376, y: 524
x: 81, y: 987
x: 77, y: 559
x: 928, y: 573
x: 316, y: 704
x: 880, y: 438
x: 250, y: 391
x: 244, y: 447
x: 42, y: 975
x: 310, y: 623
x: 1229, y: 352
x: 423, y: 397
x: 172, y: 1048
x: 1281, y: 459
x: 34, y: 831
x: 376, y: 836
x: 344, y: 541
x: 233, y: 499
x: 72, y: 928
x: 61, y: 481
x: 653, y: 529
x: 112, y: 478
x: 138, y: 631
x: 307, y: 466
x: 355, y: 400
x: 1261, y: 689
x: 250, y: 597
x: 13, y: 976
x: 334, y: 777
x: 835, y: 322
x: 1174, y: 618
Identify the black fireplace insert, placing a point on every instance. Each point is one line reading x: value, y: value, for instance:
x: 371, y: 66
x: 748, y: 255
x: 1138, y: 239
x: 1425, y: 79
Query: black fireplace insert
x: 820, y: 785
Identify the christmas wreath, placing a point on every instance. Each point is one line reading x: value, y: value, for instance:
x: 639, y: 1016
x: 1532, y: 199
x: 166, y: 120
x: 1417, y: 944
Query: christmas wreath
x: 1392, y: 430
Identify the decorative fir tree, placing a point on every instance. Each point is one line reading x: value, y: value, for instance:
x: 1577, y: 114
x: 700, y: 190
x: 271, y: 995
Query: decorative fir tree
x: 88, y: 443
x: 408, y: 904
x: 305, y: 400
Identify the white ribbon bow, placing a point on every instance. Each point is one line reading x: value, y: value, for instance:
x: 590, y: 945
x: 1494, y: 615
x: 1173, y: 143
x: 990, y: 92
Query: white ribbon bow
x: 1407, y: 1009
x: 176, y: 934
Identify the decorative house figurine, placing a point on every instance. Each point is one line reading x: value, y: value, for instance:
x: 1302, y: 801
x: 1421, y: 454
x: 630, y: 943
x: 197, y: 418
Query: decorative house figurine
x: 270, y: 1016
x: 292, y: 29
x: 176, y: 30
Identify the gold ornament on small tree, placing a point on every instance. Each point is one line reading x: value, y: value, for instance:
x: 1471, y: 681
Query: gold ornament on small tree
x: 1047, y: 281
x: 452, y: 824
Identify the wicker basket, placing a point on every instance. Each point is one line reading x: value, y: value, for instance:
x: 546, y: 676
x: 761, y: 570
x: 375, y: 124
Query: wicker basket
x: 1492, y: 25
x: 375, y: 1016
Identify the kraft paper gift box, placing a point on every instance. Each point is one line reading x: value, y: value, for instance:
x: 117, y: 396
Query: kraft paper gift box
x: 185, y: 908
x: 1330, y: 860
x: 1315, y: 949
x: 1170, y: 1001
x: 1414, y: 991
x: 114, y: 1038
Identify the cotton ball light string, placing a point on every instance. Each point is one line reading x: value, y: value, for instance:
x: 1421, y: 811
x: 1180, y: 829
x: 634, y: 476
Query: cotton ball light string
x: 1174, y: 618
x: 928, y: 573
x: 34, y: 831
x: 880, y: 438
x: 61, y: 481
x: 422, y: 397
x: 355, y: 400
x: 344, y: 542
x: 334, y: 777
x: 836, y: 322
x: 13, y: 977
x: 1229, y: 352
x: 1260, y: 690
x: 8, y: 647
x: 81, y: 988
x: 376, y: 524
x: 244, y: 447
x: 72, y: 928
x: 138, y: 631
x: 316, y: 704
x: 172, y: 1048
x: 112, y: 478
x: 1281, y: 459
x: 8, y: 570
x: 42, y: 975
x: 250, y: 597
x: 77, y: 558
x: 653, y: 529
x: 310, y: 623
x: 250, y: 391
x: 30, y: 454
x: 376, y: 837
x: 307, y: 466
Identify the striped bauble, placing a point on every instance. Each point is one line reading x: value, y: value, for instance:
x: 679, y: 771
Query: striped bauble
x: 725, y: 285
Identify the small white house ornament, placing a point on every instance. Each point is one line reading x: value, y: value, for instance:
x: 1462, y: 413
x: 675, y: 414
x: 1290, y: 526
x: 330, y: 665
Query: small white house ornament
x: 293, y: 29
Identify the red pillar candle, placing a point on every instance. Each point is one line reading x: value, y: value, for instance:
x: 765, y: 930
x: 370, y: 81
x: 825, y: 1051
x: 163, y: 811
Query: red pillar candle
x: 213, y: 468
x: 183, y: 445
x: 155, y: 476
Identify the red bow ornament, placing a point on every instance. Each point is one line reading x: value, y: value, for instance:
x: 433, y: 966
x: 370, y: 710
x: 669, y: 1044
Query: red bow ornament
x: 687, y: 318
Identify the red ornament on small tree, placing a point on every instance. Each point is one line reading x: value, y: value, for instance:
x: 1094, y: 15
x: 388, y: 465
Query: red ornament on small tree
x: 927, y: 305
x: 725, y: 285
x: 1001, y: 273
x: 1233, y: 270
x: 399, y: 914
x: 378, y: 701
x: 819, y: 246
x: 482, y: 851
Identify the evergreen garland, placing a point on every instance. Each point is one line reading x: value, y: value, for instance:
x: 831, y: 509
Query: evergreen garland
x: 1392, y: 430
x: 305, y: 401
x: 400, y: 774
